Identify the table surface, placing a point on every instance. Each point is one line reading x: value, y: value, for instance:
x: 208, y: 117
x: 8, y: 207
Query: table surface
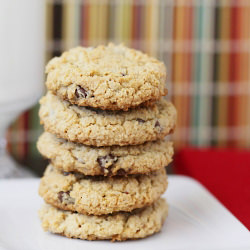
x: 196, y: 221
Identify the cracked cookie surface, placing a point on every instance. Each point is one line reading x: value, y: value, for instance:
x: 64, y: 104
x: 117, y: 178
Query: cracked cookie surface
x: 100, y: 195
x: 114, y: 160
x: 106, y: 128
x: 140, y: 223
x: 107, y: 77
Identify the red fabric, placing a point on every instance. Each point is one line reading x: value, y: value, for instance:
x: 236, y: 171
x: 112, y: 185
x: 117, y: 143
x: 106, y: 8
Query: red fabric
x: 225, y: 173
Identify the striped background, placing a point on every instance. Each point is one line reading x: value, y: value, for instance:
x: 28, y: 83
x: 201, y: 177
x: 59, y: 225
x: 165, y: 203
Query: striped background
x: 204, y: 43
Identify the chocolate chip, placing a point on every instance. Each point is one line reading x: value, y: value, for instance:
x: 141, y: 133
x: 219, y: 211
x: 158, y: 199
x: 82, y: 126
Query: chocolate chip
x: 157, y: 124
x: 123, y: 74
x: 107, y: 162
x: 140, y: 120
x: 64, y: 197
x: 121, y: 172
x: 81, y: 92
x: 60, y: 196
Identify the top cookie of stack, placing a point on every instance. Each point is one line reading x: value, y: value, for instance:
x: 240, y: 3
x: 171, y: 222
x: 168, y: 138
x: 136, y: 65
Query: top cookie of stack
x: 106, y: 77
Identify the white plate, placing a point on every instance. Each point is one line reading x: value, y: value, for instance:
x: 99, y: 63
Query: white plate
x: 196, y: 221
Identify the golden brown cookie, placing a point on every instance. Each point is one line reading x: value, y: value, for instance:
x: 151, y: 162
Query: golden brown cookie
x: 106, y: 128
x: 114, y: 160
x: 101, y: 195
x: 120, y: 226
x: 106, y: 77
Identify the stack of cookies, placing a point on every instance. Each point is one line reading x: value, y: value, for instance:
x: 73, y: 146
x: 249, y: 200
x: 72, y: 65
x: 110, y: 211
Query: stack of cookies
x: 105, y: 121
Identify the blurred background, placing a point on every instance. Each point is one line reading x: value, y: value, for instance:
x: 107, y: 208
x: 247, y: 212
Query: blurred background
x: 204, y: 43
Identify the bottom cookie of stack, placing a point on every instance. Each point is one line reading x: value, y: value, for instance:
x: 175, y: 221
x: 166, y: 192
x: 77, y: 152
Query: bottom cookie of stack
x: 119, y: 226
